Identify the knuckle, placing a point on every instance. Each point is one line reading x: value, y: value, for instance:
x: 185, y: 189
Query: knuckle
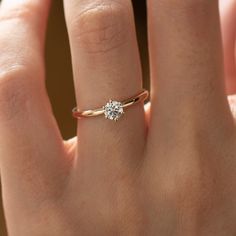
x: 100, y: 28
x: 21, y: 12
x: 15, y: 93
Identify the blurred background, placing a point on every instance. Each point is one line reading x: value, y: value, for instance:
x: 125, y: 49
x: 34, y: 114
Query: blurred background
x: 59, y: 71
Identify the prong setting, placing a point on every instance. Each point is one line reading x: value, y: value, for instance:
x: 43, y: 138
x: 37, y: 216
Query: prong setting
x: 113, y: 110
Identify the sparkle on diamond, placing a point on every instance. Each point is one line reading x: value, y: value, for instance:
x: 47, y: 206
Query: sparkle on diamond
x: 113, y: 110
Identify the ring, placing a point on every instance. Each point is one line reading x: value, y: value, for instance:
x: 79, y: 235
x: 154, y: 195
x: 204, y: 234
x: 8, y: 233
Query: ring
x: 113, y: 110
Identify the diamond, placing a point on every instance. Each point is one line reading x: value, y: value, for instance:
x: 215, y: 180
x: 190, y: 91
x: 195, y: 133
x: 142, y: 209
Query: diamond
x: 113, y: 110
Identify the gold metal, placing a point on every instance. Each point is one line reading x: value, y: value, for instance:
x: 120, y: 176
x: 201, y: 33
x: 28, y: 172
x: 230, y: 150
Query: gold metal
x: 142, y: 96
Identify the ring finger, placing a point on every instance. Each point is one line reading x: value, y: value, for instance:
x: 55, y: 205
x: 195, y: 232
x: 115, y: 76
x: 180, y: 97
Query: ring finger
x: 106, y: 66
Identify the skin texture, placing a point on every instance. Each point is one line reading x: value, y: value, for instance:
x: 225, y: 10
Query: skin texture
x: 167, y: 170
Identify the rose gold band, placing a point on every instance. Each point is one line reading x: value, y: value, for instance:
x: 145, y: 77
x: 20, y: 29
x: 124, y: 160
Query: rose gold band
x: 142, y: 96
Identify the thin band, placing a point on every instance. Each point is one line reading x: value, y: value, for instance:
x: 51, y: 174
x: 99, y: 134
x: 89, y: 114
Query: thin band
x: 142, y: 96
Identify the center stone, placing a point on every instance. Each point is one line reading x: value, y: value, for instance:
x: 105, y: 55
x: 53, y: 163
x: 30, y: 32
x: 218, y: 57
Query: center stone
x: 113, y: 110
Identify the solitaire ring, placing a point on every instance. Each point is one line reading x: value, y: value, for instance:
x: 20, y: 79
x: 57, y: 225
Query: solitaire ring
x: 113, y: 110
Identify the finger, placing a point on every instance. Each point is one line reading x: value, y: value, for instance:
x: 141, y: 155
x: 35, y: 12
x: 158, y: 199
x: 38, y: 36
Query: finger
x: 30, y: 144
x: 188, y: 92
x: 228, y: 23
x: 106, y: 66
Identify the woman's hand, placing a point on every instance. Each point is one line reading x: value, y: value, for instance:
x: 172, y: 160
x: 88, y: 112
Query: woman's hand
x: 168, y: 171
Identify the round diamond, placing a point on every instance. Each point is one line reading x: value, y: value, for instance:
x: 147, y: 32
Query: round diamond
x: 113, y: 110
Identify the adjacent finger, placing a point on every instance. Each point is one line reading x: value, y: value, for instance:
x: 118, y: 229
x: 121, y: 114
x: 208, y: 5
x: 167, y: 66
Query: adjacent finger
x: 106, y: 66
x: 31, y: 149
x: 188, y: 91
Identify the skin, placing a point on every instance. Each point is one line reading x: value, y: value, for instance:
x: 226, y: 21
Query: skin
x: 169, y: 170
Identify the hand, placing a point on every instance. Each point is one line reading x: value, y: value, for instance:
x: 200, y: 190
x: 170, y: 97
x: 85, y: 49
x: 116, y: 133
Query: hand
x: 168, y: 171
